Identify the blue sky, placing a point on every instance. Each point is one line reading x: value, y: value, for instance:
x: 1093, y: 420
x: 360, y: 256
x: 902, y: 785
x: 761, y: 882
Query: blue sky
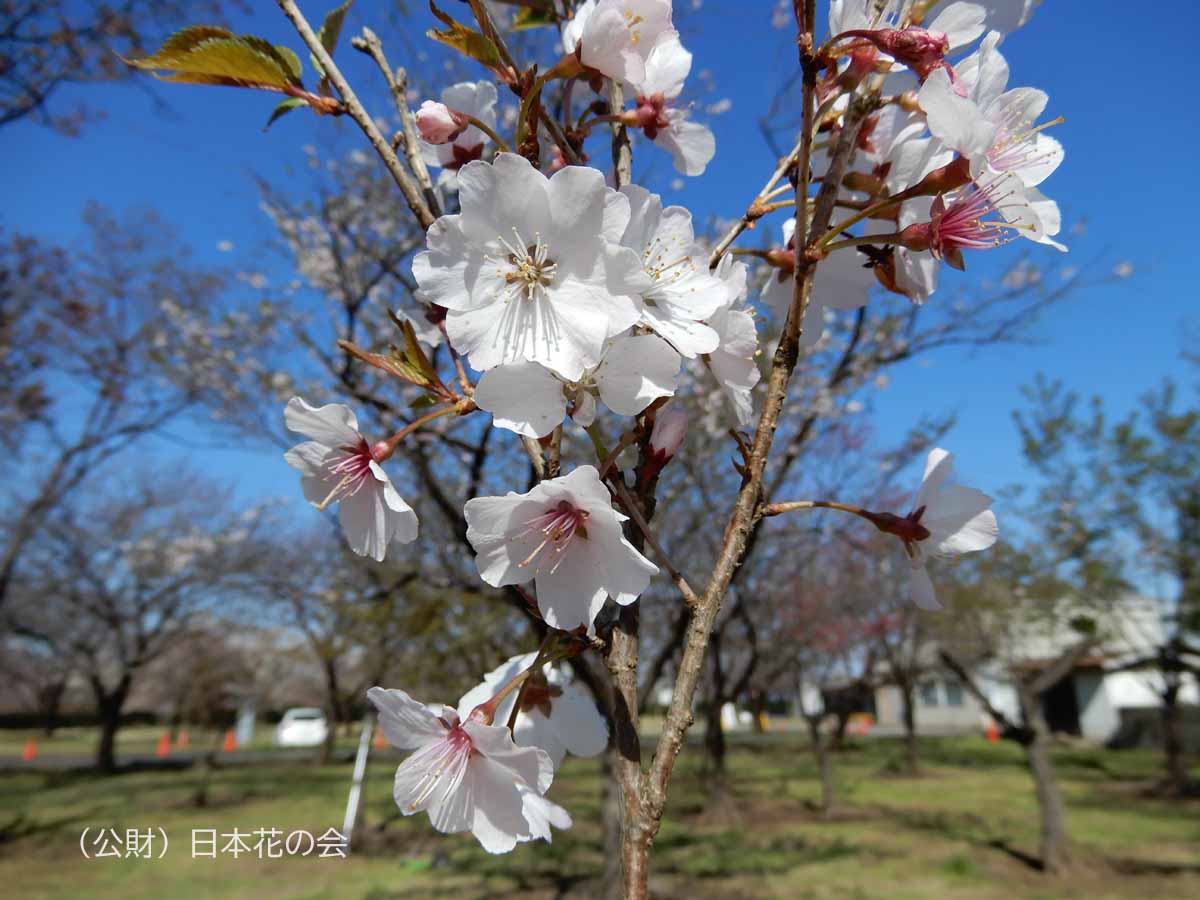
x: 1114, y: 75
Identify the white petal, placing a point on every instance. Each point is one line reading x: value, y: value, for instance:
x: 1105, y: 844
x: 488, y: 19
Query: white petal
x: 499, y: 822
x: 492, y: 682
x: 667, y: 67
x: 922, y: 590
x: 635, y: 372
x: 577, y: 197
x: 528, y: 764
x: 406, y: 723
x: 578, y: 722
x: 446, y: 271
x: 541, y: 813
x: 522, y: 397
x: 691, y: 145
x: 938, y: 466
x: 533, y: 729
x: 960, y: 520
x: 505, y: 198
x: 333, y: 425
x: 957, y: 121
x: 366, y: 523
x: 961, y: 23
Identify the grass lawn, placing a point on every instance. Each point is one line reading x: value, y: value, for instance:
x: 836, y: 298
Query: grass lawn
x: 955, y: 831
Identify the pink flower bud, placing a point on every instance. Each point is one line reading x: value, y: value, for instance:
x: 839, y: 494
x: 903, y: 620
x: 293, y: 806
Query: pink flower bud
x: 670, y: 427
x: 438, y: 123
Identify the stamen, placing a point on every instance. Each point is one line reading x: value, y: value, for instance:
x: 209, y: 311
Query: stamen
x: 559, y: 524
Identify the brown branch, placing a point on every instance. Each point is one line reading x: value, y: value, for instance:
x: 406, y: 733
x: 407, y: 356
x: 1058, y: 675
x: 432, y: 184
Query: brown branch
x: 631, y: 506
x: 679, y: 715
x: 359, y: 114
x: 397, y: 83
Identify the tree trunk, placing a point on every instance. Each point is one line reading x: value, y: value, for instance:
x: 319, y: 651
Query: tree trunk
x: 911, y: 750
x: 110, y: 721
x: 208, y: 763
x: 333, y: 707
x: 824, y: 768
x: 610, y: 815
x: 838, y: 739
x: 51, y: 703
x: 1052, y: 844
x: 714, y: 738
x: 758, y: 708
x: 1172, y: 721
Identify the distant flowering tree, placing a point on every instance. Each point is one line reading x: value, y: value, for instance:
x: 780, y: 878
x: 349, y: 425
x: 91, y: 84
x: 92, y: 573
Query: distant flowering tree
x: 548, y: 287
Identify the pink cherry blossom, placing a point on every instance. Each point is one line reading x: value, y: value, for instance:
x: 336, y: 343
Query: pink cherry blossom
x: 468, y: 774
x: 338, y: 465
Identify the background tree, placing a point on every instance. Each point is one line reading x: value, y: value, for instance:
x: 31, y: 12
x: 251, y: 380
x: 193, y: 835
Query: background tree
x: 119, y: 577
x: 46, y: 45
x: 94, y: 360
x: 1127, y: 507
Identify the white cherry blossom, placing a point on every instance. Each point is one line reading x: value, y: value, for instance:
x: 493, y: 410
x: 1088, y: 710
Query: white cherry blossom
x: 665, y: 121
x: 614, y: 37
x: 674, y: 288
x: 733, y: 363
x: 565, y: 535
x: 531, y: 400
x: 468, y: 774
x: 338, y: 465
x: 954, y: 519
x: 524, y: 268
x: 556, y: 714
x: 995, y: 128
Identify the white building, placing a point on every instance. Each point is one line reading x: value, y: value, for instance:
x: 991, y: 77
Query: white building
x: 1099, y: 700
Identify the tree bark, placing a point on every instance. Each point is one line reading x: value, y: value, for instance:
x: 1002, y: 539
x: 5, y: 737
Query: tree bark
x: 109, y: 704
x: 333, y: 702
x: 1052, y: 842
x: 824, y: 767
x: 51, y: 703
x: 1172, y: 722
x: 714, y: 739
x: 911, y: 749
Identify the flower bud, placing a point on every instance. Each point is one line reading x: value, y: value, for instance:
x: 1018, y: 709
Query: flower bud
x: 670, y: 428
x: 438, y: 123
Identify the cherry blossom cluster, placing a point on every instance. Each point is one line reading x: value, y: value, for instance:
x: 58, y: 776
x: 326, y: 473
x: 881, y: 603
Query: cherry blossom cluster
x: 567, y: 303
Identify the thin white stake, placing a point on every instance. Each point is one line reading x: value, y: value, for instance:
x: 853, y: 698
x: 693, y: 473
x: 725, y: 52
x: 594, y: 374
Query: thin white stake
x: 360, y: 769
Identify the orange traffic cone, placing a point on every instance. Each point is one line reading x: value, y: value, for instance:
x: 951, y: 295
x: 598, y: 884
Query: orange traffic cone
x: 29, y: 754
x: 992, y: 733
x: 181, y: 740
x: 164, y: 745
x: 230, y: 742
x: 380, y: 741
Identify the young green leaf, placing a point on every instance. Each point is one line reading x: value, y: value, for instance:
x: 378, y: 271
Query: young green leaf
x: 331, y: 28
x: 329, y: 32
x: 465, y: 40
x: 208, y: 55
x: 530, y: 17
x: 284, y: 107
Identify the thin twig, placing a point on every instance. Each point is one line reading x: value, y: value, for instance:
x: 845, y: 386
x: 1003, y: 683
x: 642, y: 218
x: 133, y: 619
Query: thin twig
x: 752, y: 215
x: 484, y: 18
x: 679, y: 713
x: 397, y: 82
x: 383, y: 147
x: 631, y: 507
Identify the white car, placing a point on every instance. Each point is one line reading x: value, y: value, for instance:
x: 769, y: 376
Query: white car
x: 301, y: 726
